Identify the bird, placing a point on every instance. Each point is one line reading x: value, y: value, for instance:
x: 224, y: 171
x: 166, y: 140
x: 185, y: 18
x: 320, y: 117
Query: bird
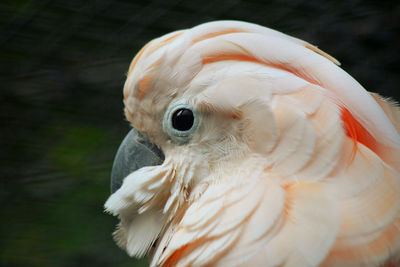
x: 250, y: 147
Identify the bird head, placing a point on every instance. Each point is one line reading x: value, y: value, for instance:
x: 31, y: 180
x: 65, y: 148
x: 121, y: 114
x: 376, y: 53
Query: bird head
x: 222, y: 99
x: 194, y: 114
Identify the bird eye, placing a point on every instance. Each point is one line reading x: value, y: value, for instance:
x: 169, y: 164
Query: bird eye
x: 180, y: 123
x: 182, y: 119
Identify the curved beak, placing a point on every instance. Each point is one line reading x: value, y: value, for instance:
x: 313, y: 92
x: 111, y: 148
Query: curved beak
x: 135, y: 152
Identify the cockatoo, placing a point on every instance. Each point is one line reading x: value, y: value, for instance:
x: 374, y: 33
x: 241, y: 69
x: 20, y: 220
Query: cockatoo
x: 253, y: 148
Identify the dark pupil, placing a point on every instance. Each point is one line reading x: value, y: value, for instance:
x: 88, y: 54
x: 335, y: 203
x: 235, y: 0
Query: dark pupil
x: 182, y: 119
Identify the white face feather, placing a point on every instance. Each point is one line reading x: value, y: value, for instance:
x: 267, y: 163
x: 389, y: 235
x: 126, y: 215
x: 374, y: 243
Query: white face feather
x: 271, y: 171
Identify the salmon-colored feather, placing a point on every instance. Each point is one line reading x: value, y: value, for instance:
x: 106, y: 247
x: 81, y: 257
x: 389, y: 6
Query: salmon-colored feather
x: 357, y: 132
x: 292, y: 163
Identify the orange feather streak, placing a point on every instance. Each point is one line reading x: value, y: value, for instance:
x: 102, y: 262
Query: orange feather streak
x: 163, y: 42
x: 144, y: 85
x: 240, y: 57
x: 357, y: 132
x: 214, y: 34
x: 174, y: 258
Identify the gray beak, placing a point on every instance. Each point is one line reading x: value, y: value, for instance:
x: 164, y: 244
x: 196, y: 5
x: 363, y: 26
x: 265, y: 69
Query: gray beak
x: 135, y: 152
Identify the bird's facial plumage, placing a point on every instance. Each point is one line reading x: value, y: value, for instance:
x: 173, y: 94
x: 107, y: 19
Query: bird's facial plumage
x: 220, y: 98
x: 260, y: 132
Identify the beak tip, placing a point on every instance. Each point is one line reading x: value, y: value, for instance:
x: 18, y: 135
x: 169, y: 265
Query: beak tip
x: 135, y: 152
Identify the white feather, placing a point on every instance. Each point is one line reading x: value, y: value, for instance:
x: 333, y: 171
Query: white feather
x: 271, y: 176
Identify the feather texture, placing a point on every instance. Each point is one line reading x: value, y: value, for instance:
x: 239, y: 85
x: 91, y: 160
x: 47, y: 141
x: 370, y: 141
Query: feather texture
x: 293, y: 162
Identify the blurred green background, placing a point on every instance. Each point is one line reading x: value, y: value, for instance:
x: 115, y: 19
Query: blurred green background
x: 62, y: 69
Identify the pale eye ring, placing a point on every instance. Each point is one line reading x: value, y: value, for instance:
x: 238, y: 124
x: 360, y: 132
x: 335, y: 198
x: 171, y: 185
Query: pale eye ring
x: 180, y: 123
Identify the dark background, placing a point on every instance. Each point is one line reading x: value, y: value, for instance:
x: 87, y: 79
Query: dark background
x: 62, y: 68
